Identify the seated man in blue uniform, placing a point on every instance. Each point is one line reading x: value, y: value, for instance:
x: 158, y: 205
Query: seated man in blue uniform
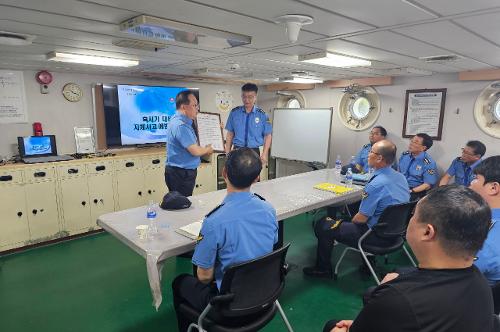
x: 248, y: 125
x: 377, y: 133
x: 183, y: 151
x: 462, y: 167
x: 418, y: 167
x: 447, y: 292
x: 386, y: 187
x: 487, y: 184
x: 241, y: 228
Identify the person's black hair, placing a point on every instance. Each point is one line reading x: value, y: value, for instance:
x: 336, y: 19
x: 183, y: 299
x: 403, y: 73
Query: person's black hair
x: 382, y: 130
x: 489, y: 168
x: 426, y: 140
x: 460, y: 217
x: 243, y: 166
x: 182, y: 98
x: 388, y: 152
x: 249, y: 87
x: 477, y: 146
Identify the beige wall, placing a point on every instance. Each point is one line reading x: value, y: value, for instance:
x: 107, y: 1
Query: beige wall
x: 59, y: 116
x: 457, y: 128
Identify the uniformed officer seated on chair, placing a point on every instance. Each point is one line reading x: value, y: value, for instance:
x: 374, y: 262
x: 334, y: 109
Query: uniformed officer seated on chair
x: 377, y: 134
x: 462, y: 167
x: 386, y: 187
x: 241, y: 228
x: 418, y: 167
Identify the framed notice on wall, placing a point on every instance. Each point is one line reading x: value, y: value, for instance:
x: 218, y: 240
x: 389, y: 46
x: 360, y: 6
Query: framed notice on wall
x: 12, y: 97
x: 424, y: 111
x: 210, y: 131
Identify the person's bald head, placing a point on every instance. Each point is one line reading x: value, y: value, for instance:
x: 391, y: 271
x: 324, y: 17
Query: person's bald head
x: 383, y: 153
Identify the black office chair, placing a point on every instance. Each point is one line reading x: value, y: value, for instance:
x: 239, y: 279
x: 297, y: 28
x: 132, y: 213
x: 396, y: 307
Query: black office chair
x: 495, y: 289
x: 248, y: 297
x: 391, y: 227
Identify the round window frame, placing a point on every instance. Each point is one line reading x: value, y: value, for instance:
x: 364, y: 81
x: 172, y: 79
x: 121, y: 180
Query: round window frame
x: 495, y: 110
x: 291, y: 100
x: 355, y: 113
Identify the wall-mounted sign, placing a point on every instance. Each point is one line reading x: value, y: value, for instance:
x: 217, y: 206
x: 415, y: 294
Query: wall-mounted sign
x: 12, y: 97
x: 424, y: 110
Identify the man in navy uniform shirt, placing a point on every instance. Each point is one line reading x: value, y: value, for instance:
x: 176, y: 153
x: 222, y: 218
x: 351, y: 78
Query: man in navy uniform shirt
x: 418, y: 167
x: 183, y: 151
x: 386, y: 187
x: 462, y: 167
x: 487, y: 184
x: 377, y: 133
x: 242, y: 228
x: 248, y: 125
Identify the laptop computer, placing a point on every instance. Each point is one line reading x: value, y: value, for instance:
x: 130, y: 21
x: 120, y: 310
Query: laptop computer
x: 39, y: 149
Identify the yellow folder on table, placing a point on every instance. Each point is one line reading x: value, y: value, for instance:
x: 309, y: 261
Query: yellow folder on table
x: 334, y: 188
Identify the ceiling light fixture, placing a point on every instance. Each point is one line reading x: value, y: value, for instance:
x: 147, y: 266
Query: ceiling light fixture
x: 91, y: 59
x: 334, y: 60
x: 302, y: 80
x: 174, y: 31
x: 293, y: 23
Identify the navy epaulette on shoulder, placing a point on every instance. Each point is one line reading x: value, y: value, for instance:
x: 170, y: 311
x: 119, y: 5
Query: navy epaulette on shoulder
x: 366, y: 145
x: 458, y: 159
x: 406, y: 152
x: 260, y: 110
x: 427, y: 161
x: 215, y: 209
x: 259, y: 196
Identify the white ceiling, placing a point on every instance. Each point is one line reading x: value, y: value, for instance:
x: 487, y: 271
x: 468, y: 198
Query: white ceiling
x: 393, y: 34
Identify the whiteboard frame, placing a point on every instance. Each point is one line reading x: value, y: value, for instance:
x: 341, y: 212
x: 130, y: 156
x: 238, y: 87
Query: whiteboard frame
x: 329, y: 134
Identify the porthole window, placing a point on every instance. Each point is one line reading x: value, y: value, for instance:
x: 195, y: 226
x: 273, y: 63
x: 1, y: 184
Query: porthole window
x: 293, y: 103
x: 496, y: 109
x: 360, y: 108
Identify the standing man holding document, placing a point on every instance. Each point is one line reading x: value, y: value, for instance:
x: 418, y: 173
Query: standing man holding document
x: 227, y: 235
x: 248, y: 125
x: 183, y: 151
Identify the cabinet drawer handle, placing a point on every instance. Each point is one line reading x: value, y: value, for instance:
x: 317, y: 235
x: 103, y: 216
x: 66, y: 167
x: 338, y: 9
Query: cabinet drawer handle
x: 39, y: 174
x: 84, y: 203
x: 139, y: 193
x: 95, y: 201
x: 149, y: 191
x: 155, y: 161
x: 19, y: 214
x: 100, y: 168
x: 72, y: 171
x: 6, y: 178
x: 35, y: 211
x: 129, y: 164
x: 197, y: 185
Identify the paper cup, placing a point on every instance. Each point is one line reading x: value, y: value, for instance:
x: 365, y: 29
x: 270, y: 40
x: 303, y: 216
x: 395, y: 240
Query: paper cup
x: 142, y: 231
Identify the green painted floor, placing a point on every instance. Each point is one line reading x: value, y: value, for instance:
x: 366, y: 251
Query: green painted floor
x: 96, y: 283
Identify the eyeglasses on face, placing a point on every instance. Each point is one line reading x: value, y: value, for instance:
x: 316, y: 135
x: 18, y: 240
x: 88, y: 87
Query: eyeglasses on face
x: 472, y: 154
x: 371, y: 151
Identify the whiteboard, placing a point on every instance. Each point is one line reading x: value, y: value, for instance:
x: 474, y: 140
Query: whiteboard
x: 302, y: 134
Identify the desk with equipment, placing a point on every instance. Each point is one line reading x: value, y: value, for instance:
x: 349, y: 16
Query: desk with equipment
x: 290, y: 196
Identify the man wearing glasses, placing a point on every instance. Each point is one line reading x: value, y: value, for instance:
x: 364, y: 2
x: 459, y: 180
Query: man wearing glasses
x: 183, y: 151
x: 418, y: 167
x: 462, y: 167
x: 377, y: 134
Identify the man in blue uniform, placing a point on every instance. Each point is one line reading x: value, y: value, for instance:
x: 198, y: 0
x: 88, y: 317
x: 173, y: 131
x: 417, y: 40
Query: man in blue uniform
x: 183, y: 151
x: 418, y: 167
x: 462, y: 167
x: 386, y: 187
x: 487, y: 184
x: 248, y: 125
x: 377, y: 133
x: 228, y: 236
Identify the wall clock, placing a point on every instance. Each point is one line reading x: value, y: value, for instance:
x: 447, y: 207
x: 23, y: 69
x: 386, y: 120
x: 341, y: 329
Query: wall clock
x: 72, y: 92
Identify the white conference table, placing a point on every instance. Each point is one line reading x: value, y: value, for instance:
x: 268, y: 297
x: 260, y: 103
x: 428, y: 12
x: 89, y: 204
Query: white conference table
x: 290, y: 196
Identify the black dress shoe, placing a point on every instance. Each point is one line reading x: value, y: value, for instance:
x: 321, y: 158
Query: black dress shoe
x: 314, y: 271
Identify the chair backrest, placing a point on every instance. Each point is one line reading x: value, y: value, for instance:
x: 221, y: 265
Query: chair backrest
x: 394, y: 220
x: 495, y: 289
x: 255, y: 284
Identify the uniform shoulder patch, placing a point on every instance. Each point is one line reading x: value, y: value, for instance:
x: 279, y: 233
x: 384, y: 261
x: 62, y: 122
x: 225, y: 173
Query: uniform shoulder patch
x: 427, y: 161
x: 260, y: 110
x: 364, y: 194
x: 367, y: 145
x: 215, y: 209
x: 406, y: 152
x: 259, y: 196
x: 458, y: 158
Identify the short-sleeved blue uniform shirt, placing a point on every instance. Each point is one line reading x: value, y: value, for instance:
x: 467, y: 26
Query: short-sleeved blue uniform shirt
x: 181, y: 135
x: 488, y: 258
x: 387, y: 187
x: 242, y: 228
x: 418, y: 170
x: 249, y: 128
x: 362, y: 157
x: 462, y: 172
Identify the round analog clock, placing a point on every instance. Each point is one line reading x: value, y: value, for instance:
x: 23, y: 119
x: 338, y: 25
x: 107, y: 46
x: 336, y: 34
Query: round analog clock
x: 224, y: 100
x: 43, y: 77
x: 72, y: 92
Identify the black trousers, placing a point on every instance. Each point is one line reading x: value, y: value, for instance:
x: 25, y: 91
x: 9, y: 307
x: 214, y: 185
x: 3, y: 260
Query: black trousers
x: 189, y: 290
x: 180, y: 180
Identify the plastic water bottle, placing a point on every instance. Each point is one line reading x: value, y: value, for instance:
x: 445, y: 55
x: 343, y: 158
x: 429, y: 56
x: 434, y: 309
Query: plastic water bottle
x: 353, y: 161
x: 151, y: 216
x: 338, y: 166
x: 348, y: 178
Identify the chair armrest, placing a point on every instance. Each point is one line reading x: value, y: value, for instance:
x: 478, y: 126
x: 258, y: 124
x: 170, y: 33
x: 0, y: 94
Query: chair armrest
x: 216, y: 300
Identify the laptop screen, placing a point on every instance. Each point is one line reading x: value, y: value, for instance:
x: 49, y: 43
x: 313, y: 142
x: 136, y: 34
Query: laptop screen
x: 34, y: 146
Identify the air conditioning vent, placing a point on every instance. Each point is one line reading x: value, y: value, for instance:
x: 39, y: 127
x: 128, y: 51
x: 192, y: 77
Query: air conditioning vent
x: 16, y: 39
x: 440, y: 58
x: 139, y: 44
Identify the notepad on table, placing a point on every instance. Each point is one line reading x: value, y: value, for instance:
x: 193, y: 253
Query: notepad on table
x: 334, y: 188
x: 192, y: 230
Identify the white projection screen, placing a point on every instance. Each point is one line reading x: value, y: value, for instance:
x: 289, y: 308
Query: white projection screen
x: 302, y: 134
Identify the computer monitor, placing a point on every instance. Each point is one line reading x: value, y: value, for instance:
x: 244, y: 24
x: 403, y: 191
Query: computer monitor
x: 37, y: 146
